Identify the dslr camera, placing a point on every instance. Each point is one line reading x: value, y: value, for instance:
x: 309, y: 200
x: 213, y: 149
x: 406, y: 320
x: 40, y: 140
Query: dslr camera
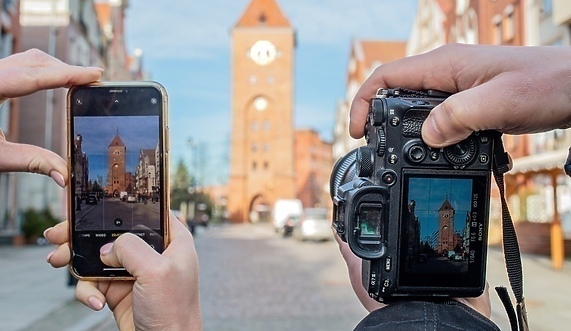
x: 417, y: 216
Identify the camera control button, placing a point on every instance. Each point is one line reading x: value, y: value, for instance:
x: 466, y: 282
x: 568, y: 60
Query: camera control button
x: 433, y: 155
x: 389, y: 177
x: 381, y: 142
x: 484, y: 139
x: 394, y: 121
x: 393, y: 158
x: 386, y: 283
x: 388, y: 264
x: 484, y: 158
x: 416, y: 153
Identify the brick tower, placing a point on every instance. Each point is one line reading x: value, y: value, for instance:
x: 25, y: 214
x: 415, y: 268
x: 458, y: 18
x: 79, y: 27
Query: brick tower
x: 116, y: 166
x: 262, y: 148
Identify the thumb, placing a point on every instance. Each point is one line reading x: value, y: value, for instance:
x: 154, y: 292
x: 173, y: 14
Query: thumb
x: 132, y: 253
x: 449, y: 122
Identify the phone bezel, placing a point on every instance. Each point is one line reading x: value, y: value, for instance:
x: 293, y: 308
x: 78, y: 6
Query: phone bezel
x: 164, y: 175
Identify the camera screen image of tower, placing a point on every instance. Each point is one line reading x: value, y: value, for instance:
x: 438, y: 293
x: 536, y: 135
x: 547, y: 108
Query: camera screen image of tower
x: 116, y: 171
x: 436, y: 234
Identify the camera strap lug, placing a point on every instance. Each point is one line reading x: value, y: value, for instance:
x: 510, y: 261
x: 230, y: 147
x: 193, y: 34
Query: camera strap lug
x: 517, y: 317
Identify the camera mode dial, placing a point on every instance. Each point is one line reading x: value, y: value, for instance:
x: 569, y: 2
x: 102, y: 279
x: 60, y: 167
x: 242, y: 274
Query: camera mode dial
x: 461, y: 153
x: 364, y: 161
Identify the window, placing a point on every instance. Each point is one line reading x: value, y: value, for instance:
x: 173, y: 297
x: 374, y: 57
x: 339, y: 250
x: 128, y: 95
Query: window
x: 509, y: 24
x: 547, y: 7
x: 254, y: 166
x: 497, y: 30
x: 254, y: 126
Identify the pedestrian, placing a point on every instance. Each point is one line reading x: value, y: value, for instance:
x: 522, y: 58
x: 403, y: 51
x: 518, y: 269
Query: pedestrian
x: 77, y: 203
x: 511, y: 89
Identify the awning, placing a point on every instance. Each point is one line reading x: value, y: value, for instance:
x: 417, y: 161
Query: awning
x: 540, y: 163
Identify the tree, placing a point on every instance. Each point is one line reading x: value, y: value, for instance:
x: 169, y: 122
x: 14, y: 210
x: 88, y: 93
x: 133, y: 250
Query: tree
x: 180, y: 183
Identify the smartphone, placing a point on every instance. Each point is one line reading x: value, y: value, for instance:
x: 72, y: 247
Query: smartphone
x: 118, y: 170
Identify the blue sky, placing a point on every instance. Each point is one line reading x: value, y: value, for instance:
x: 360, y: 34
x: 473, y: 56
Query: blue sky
x: 186, y: 47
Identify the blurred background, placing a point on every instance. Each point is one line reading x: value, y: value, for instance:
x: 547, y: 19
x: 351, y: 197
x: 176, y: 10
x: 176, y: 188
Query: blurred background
x: 259, y: 95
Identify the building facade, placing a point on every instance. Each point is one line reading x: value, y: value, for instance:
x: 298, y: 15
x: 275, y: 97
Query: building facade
x: 365, y: 56
x: 9, y: 117
x: 313, y: 161
x: 262, y: 146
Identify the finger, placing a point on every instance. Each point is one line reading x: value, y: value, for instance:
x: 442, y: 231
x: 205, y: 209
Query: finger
x: 30, y: 58
x: 58, y: 234
x: 132, y: 253
x: 16, y: 82
x: 419, y: 72
x: 89, y: 294
x: 29, y: 158
x: 181, y: 242
x: 60, y: 257
x: 478, y: 109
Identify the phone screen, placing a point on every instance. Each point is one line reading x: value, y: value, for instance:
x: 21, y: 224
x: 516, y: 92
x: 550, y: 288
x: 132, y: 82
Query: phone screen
x: 117, y: 171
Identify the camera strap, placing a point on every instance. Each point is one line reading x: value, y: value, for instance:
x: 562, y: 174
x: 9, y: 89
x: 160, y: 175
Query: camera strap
x: 517, y: 316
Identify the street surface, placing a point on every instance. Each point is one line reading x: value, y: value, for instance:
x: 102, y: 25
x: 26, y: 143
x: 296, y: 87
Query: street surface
x: 252, y: 279
x: 114, y: 214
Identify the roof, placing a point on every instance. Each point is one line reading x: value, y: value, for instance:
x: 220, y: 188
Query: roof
x: 263, y: 13
x: 544, y: 162
x: 150, y: 153
x: 376, y: 52
x: 446, y: 205
x: 116, y: 141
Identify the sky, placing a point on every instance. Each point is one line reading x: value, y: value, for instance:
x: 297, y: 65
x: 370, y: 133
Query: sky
x: 186, y: 47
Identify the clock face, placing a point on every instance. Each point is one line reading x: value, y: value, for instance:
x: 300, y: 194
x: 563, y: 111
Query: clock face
x: 260, y: 103
x: 263, y: 52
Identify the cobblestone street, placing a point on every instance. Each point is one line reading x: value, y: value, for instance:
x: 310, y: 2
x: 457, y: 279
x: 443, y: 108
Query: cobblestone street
x: 253, y: 279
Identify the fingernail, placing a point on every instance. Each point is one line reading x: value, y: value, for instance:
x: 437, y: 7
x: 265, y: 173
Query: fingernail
x: 95, y: 303
x: 49, y: 256
x: 105, y: 249
x: 46, y: 232
x: 58, y: 178
x: 95, y: 68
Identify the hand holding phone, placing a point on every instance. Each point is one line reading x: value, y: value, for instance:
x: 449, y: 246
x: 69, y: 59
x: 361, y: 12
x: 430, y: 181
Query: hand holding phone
x: 118, y: 153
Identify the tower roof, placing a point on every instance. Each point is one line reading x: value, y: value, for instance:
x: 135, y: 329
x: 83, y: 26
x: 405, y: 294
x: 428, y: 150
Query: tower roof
x: 263, y: 13
x: 446, y: 205
x: 117, y: 142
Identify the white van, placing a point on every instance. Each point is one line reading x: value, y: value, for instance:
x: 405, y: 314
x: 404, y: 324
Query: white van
x: 284, y: 209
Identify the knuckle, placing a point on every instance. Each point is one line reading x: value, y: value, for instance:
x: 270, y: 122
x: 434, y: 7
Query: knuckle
x: 37, y: 55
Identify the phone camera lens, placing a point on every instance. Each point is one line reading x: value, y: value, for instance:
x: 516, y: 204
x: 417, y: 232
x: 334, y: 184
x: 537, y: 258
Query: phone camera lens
x: 154, y: 101
x: 79, y: 101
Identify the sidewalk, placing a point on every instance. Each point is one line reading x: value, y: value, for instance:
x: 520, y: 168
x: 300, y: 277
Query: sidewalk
x: 34, y: 296
x: 546, y: 291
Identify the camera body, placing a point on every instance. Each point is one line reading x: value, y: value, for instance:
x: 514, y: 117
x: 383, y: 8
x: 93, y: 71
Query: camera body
x: 417, y: 216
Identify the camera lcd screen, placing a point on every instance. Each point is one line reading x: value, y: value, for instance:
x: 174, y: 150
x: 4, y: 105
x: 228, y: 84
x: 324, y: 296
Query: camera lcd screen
x: 116, y: 150
x: 443, y: 229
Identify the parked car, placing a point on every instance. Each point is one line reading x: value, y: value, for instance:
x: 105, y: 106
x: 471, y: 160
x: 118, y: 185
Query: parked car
x: 91, y: 199
x: 284, y: 209
x: 314, y: 224
x: 290, y: 225
x: 131, y: 198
